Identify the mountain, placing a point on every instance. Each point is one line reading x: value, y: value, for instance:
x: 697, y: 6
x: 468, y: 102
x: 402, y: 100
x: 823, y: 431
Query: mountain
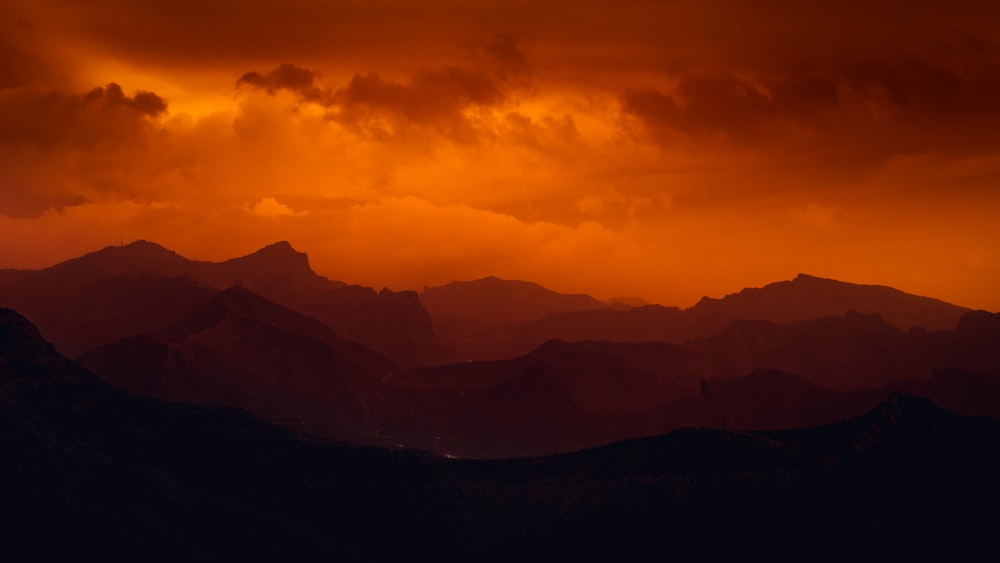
x: 91, y: 472
x: 807, y: 297
x: 481, y: 319
x: 801, y: 299
x: 842, y: 352
x: 80, y: 312
x: 854, y: 350
x: 121, y: 291
x: 560, y: 397
x: 242, y: 350
x: 765, y: 399
x: 501, y: 300
x: 753, y: 374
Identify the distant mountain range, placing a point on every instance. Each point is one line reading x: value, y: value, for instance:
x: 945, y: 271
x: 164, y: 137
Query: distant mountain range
x: 88, y: 471
x: 493, y: 318
x: 565, y: 396
x: 265, y: 333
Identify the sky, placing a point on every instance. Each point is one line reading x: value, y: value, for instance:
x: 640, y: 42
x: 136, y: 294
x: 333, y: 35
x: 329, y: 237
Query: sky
x: 657, y: 149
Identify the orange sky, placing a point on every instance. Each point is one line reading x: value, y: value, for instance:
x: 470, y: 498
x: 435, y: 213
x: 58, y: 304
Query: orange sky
x: 640, y: 148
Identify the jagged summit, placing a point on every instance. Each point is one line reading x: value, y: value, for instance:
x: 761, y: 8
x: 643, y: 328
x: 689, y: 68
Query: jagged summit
x: 277, y: 259
x: 280, y: 248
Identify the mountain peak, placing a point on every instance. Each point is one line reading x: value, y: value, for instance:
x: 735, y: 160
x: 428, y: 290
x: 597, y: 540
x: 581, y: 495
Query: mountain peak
x: 904, y: 420
x: 279, y: 255
x: 143, y: 244
x: 280, y: 246
x: 138, y: 257
x: 801, y: 277
x: 15, y: 331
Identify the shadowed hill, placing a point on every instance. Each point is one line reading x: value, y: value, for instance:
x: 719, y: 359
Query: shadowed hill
x: 559, y: 397
x: 121, y: 478
x: 571, y: 395
x: 243, y: 350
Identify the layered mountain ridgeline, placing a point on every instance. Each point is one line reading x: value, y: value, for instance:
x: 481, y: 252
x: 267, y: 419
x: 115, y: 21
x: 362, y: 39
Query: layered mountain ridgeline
x: 482, y: 319
x: 87, y: 471
x: 560, y: 397
x: 142, y: 287
x: 804, y: 298
x: 182, y: 338
x: 501, y: 300
x: 565, y: 396
x: 245, y: 351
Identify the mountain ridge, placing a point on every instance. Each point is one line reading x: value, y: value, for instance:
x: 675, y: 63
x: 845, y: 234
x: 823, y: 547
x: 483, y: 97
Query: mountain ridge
x: 124, y: 478
x: 114, y: 283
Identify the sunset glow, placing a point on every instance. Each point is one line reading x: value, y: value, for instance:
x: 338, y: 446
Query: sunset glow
x: 650, y: 149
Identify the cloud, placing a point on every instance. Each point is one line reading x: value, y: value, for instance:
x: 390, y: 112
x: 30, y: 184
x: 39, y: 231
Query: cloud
x: 696, y: 133
x: 434, y: 100
x: 270, y: 207
x: 300, y: 81
x: 431, y: 100
x: 60, y: 149
x: 99, y: 118
x: 507, y: 57
x: 703, y: 104
x: 863, y: 110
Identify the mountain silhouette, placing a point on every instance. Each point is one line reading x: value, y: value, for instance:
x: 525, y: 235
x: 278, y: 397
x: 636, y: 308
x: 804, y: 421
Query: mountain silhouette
x: 560, y: 397
x: 501, y: 300
x: 88, y: 471
x: 843, y: 352
x: 121, y: 291
x: 801, y: 299
x: 754, y: 374
x: 481, y: 319
x: 242, y: 350
x: 807, y: 297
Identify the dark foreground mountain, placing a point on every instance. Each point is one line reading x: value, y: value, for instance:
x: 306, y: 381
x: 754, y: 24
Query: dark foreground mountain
x: 90, y: 472
x: 122, y: 291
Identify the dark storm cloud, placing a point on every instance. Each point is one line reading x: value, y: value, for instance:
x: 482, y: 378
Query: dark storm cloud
x: 300, y: 81
x: 59, y: 149
x: 99, y: 118
x: 426, y: 96
x: 429, y: 99
x: 703, y: 105
x: 508, y: 58
x: 905, y: 104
